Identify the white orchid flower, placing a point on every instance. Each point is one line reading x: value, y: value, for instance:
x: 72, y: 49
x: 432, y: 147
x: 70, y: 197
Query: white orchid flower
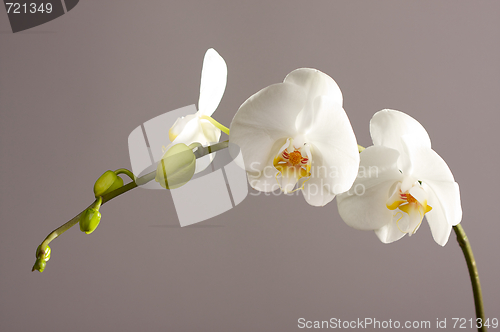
x: 296, y: 134
x: 200, y: 127
x: 400, y: 180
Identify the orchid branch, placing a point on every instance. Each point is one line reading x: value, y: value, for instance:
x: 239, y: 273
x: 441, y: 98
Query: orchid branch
x: 44, y: 251
x: 464, y: 243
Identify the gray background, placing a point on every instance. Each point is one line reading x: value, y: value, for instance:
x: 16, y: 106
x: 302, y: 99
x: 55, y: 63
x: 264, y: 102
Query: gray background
x: 72, y: 90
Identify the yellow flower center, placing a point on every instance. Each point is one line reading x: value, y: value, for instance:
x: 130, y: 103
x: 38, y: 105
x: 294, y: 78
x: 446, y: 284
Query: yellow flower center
x: 296, y: 158
x: 407, y: 203
x: 410, y: 199
x: 292, y: 165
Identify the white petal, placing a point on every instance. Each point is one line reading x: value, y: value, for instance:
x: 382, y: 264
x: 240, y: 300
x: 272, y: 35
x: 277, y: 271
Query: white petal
x: 261, y: 182
x: 211, y: 132
x: 264, y: 179
x: 440, y: 228
x: 179, y: 125
x: 419, y: 194
x: 334, y: 144
x: 408, y: 182
x: 263, y: 119
x: 315, y: 83
x: 364, y: 205
x: 432, y: 170
x: 191, y: 133
x: 426, y: 163
x: 449, y: 196
x: 389, y: 233
x: 388, y: 126
x: 213, y: 82
x: 288, y: 179
x: 395, y: 199
x: 316, y: 192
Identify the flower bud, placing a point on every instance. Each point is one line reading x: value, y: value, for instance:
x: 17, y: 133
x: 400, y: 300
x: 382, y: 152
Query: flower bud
x: 176, y: 167
x: 106, y: 183
x: 90, y: 220
x: 43, y: 254
x: 39, y: 265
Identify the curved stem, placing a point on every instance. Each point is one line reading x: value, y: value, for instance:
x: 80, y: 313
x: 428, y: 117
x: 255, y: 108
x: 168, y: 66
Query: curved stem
x: 61, y: 229
x: 464, y: 243
x: 123, y: 189
x: 126, y: 172
x: 217, y: 124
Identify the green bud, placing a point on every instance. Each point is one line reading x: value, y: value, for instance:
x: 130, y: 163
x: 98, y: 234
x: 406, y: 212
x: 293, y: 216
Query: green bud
x: 176, y: 167
x: 90, y: 220
x: 43, y: 254
x: 39, y: 265
x: 106, y: 183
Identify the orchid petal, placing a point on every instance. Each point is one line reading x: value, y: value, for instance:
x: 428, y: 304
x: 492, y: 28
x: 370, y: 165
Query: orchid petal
x: 419, y: 194
x: 334, y: 142
x: 390, y: 232
x: 264, y: 179
x: 211, y: 132
x: 193, y: 132
x: 449, y: 195
x: 415, y: 213
x: 316, y: 197
x: 263, y: 119
x: 395, y: 199
x: 436, y: 218
x: 288, y: 178
x: 213, y: 82
x: 388, y: 126
x: 179, y: 126
x: 364, y: 205
x: 317, y: 190
x: 315, y: 83
x: 432, y: 170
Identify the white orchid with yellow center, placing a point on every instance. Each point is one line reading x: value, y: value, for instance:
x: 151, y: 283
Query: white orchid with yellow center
x: 400, y: 180
x: 200, y: 127
x: 295, y: 135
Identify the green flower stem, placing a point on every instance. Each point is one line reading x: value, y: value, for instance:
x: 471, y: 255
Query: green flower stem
x: 58, y: 231
x: 360, y: 148
x: 201, y: 151
x: 217, y: 124
x: 126, y: 172
x: 464, y: 243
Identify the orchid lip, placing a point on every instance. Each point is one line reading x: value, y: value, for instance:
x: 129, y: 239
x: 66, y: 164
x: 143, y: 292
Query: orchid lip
x: 292, y: 164
x: 408, y: 208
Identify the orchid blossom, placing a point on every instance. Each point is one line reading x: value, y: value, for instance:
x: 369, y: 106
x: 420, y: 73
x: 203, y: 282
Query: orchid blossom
x: 200, y: 127
x: 400, y: 180
x: 296, y: 135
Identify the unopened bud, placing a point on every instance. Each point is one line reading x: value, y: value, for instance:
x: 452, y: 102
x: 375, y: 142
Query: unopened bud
x: 176, y: 167
x: 90, y: 220
x: 106, y: 183
x: 40, y: 265
x: 43, y: 254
